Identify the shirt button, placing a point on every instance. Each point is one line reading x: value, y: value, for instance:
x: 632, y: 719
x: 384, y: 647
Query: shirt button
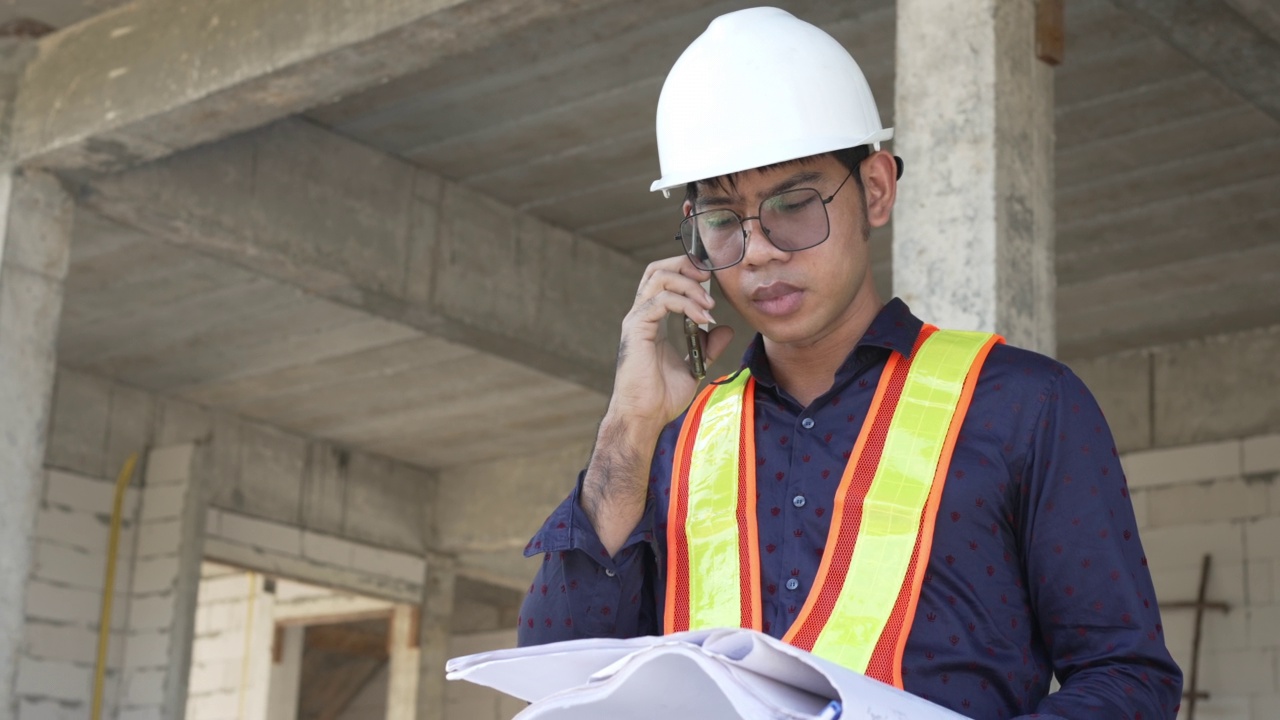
x: 798, y: 501
x: 609, y: 572
x: 807, y: 423
x: 792, y: 584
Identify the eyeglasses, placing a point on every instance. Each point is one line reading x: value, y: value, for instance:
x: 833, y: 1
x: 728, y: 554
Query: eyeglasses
x: 794, y: 220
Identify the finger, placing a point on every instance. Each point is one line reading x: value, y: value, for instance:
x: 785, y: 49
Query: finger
x: 657, y: 308
x: 677, y: 283
x: 717, y: 341
x: 680, y: 264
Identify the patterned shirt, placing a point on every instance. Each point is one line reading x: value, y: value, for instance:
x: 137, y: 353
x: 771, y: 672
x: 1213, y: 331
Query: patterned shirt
x: 1036, y: 567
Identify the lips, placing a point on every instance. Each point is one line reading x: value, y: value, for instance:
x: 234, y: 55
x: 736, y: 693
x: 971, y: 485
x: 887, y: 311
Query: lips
x: 777, y: 298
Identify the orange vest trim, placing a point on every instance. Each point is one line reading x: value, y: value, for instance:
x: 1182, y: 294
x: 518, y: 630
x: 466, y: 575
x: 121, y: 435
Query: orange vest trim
x: 677, y: 616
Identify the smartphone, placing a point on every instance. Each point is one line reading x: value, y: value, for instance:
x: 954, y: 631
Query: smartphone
x: 693, y: 343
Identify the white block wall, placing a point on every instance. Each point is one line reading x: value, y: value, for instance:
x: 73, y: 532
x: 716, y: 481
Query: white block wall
x: 64, y: 598
x: 167, y: 553
x: 1219, y: 498
x: 231, y: 653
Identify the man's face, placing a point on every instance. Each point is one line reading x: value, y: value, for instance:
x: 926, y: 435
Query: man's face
x: 796, y: 298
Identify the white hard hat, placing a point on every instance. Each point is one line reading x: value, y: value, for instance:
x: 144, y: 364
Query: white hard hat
x: 760, y: 87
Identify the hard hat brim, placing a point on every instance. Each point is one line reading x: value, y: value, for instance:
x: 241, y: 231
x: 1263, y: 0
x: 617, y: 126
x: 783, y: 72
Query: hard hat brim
x: 680, y: 179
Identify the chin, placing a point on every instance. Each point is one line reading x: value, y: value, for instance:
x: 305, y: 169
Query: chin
x: 786, y: 330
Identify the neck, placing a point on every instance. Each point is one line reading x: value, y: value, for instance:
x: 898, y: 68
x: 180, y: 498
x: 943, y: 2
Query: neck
x: 807, y: 370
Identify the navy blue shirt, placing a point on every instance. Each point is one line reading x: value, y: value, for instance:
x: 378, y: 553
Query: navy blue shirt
x: 1036, y: 567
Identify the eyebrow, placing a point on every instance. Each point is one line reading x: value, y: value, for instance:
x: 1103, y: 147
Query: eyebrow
x: 806, y: 177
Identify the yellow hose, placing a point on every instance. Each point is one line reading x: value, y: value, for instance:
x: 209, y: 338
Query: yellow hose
x: 109, y: 584
x: 248, y: 640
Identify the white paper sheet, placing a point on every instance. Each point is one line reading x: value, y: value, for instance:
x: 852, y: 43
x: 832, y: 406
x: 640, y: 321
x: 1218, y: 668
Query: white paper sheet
x: 702, y: 674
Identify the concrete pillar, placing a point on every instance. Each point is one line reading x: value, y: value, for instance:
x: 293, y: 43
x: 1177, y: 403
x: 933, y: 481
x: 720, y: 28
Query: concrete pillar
x: 402, y: 683
x: 286, y: 675
x: 973, y: 228
x: 164, y: 591
x: 433, y: 635
x: 35, y: 238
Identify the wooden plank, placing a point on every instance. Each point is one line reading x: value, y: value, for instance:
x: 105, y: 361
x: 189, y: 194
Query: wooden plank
x: 1050, y: 32
x: 346, y: 639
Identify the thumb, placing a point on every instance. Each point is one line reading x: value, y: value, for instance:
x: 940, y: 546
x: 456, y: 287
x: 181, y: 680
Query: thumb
x: 716, y: 342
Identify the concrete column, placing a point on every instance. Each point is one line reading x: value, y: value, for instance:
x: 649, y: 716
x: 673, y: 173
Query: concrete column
x: 433, y: 635
x: 973, y: 229
x: 402, y: 683
x: 168, y: 551
x: 35, y: 238
x: 286, y: 675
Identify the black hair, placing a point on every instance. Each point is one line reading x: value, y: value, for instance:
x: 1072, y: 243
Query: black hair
x: 849, y: 157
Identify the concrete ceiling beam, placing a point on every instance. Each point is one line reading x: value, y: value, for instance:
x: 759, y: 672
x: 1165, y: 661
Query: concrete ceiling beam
x: 341, y: 221
x: 154, y: 77
x: 1227, y: 44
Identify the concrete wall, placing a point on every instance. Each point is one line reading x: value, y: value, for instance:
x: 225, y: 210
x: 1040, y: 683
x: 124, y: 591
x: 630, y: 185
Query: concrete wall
x: 254, y: 470
x: 288, y: 551
x: 1223, y: 499
x: 1218, y: 388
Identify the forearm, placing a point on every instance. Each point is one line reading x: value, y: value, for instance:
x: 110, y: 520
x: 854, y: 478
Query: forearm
x: 615, y: 488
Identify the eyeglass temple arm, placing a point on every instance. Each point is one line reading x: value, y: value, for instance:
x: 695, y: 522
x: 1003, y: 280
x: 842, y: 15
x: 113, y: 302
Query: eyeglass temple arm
x: 827, y: 200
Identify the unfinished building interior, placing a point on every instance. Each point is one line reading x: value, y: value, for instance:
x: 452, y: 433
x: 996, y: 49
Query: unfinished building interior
x: 347, y: 276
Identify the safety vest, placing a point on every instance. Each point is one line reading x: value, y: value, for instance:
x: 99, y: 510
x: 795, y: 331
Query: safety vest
x: 859, y: 611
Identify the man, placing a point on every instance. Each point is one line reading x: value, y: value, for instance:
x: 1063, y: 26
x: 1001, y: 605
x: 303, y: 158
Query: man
x: 937, y: 510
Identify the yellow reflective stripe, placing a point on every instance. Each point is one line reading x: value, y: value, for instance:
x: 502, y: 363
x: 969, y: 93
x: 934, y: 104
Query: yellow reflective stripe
x: 712, y: 523
x: 891, y: 511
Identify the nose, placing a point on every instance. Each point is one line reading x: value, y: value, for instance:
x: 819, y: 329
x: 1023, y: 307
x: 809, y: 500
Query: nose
x: 760, y: 249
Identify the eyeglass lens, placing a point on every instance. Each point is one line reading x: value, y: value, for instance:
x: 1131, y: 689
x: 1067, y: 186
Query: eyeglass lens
x: 793, y: 220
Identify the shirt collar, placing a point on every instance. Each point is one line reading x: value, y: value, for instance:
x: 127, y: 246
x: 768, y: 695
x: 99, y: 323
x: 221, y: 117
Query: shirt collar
x: 894, y: 328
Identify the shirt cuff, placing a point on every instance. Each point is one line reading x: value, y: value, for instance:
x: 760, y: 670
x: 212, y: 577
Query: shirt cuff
x: 569, y: 528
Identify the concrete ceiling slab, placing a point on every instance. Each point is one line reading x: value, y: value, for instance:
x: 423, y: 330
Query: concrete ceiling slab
x: 169, y: 320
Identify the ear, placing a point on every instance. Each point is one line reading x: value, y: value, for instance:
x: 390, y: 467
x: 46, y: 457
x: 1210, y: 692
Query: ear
x: 880, y: 179
x: 687, y: 208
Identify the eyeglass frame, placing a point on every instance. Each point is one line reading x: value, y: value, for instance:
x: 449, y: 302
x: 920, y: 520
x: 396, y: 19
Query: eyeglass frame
x: 742, y: 222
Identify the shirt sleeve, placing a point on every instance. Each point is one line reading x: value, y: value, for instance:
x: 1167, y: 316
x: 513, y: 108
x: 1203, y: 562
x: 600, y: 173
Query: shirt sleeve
x: 1089, y: 585
x: 580, y: 591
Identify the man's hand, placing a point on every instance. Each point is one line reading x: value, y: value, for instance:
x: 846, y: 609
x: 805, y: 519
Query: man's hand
x: 652, y: 386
